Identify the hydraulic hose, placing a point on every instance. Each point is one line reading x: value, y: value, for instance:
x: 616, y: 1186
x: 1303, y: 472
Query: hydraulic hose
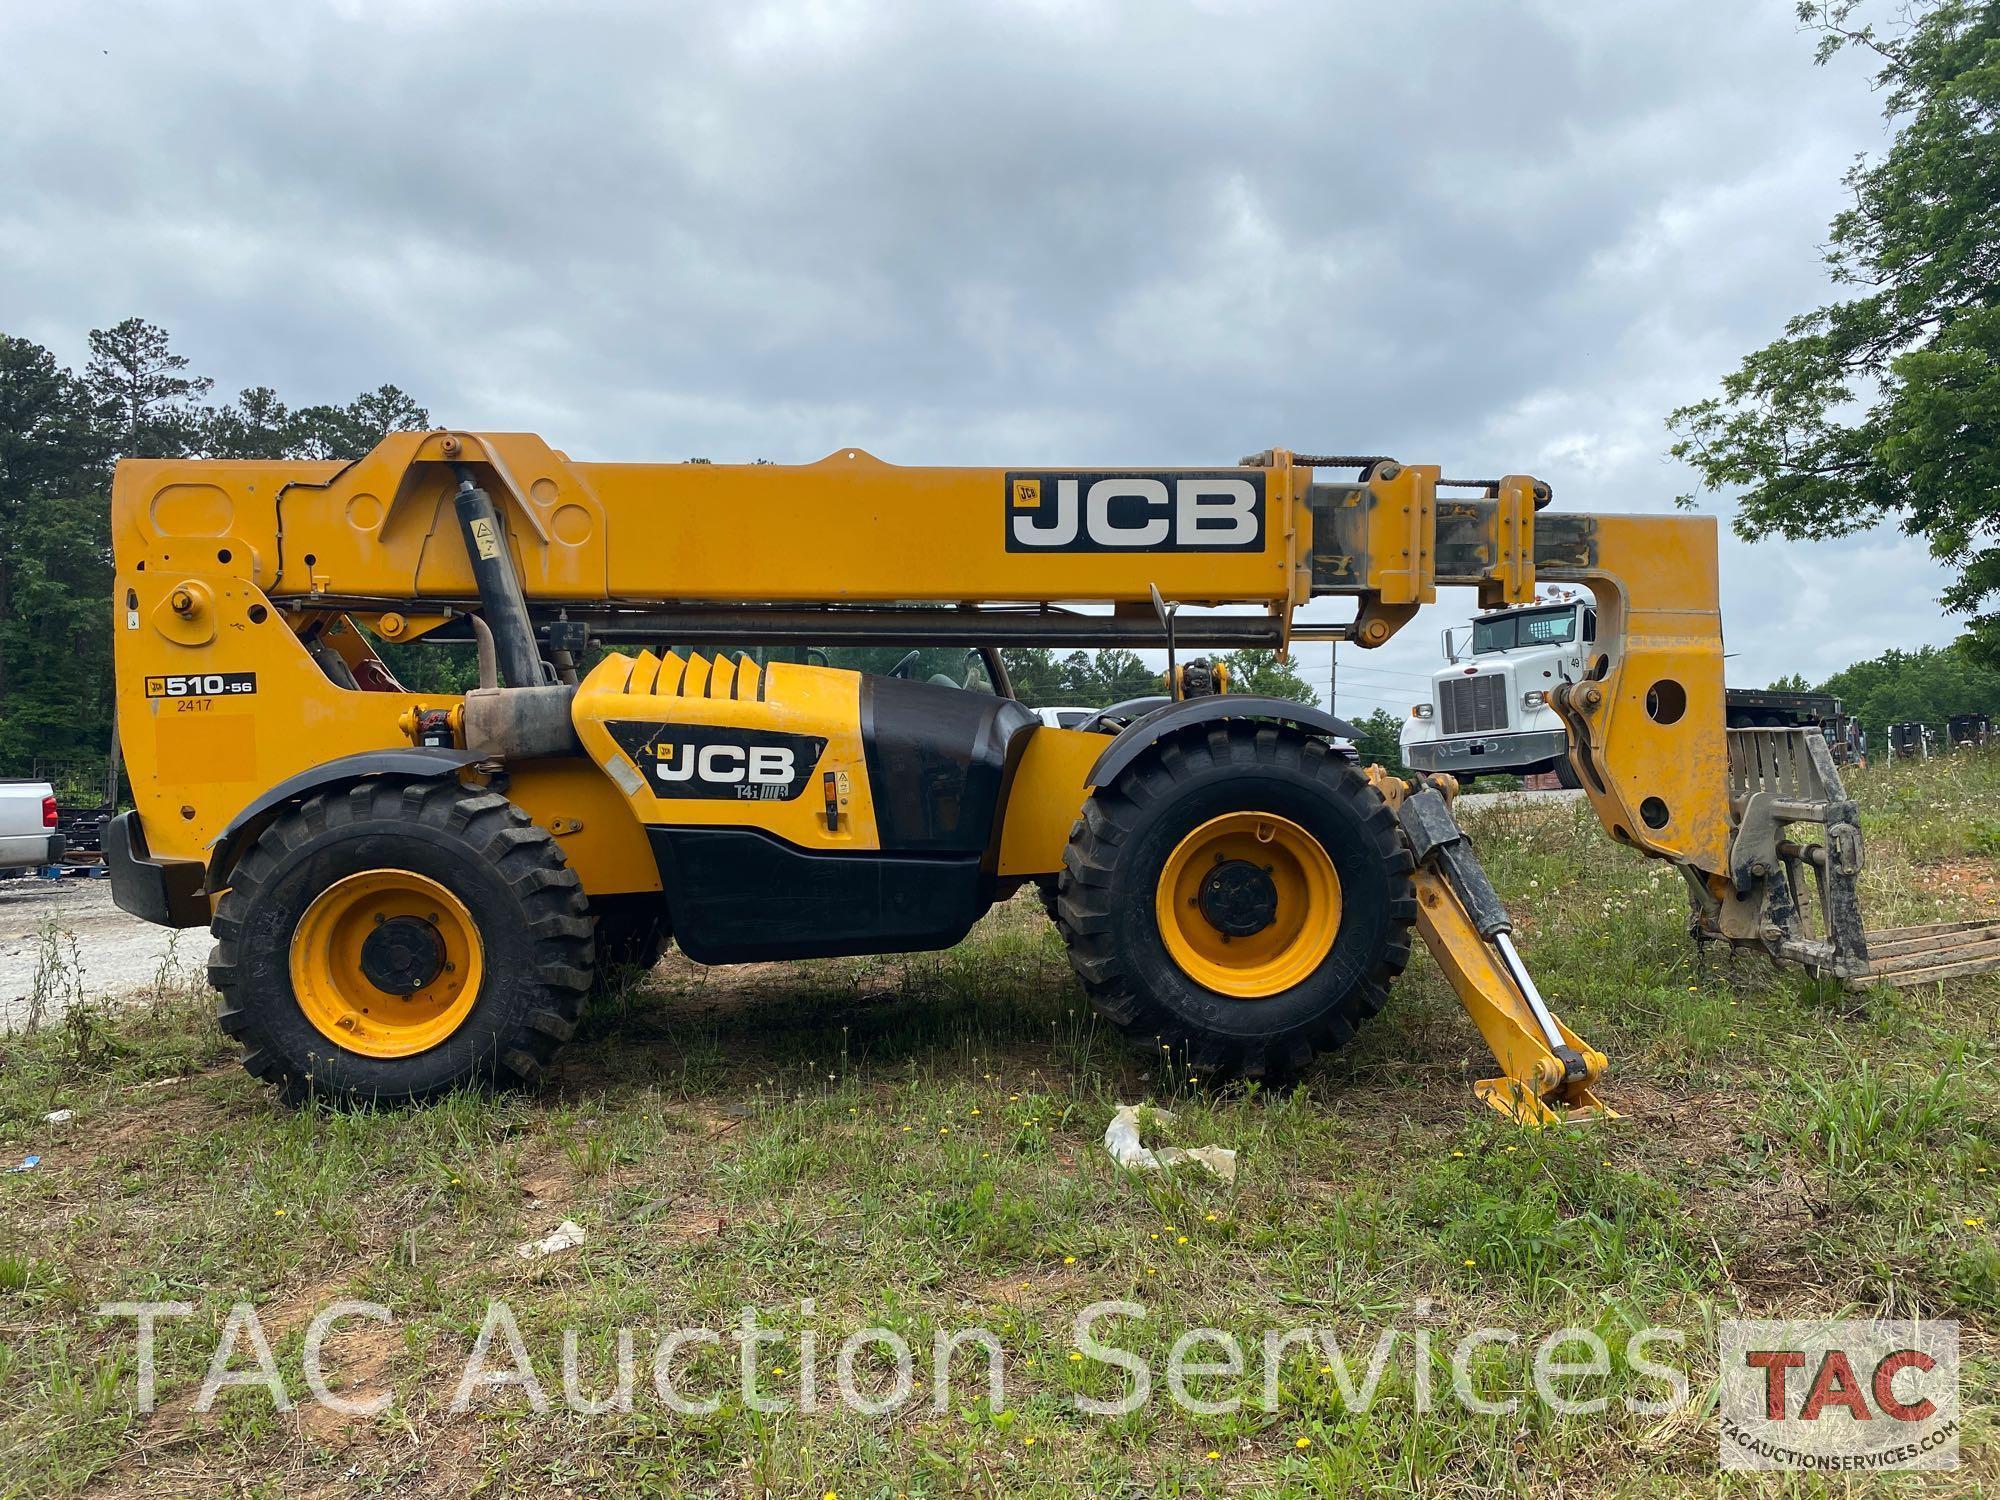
x: 500, y: 596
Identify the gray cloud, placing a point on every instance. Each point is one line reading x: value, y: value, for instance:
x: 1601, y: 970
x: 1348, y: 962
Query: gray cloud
x: 1499, y: 237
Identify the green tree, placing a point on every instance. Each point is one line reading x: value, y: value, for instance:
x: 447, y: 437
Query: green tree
x: 1096, y: 679
x: 259, y: 425
x: 1036, y: 673
x: 1253, y: 671
x: 1794, y: 683
x: 54, y: 560
x: 1380, y: 741
x: 350, y: 431
x: 149, y: 403
x: 1886, y: 404
x: 256, y: 425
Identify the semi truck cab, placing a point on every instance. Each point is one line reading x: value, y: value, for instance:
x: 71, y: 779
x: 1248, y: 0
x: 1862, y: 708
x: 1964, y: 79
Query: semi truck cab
x: 1487, y: 712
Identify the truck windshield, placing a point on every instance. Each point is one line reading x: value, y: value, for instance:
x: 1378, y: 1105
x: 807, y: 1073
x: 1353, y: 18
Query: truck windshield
x: 1545, y: 627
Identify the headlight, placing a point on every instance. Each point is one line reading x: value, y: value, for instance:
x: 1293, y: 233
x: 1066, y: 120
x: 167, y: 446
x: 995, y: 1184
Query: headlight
x: 1535, y: 699
x: 1420, y: 710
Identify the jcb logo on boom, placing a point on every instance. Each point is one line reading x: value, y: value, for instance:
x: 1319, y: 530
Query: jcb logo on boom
x: 1183, y: 511
x: 713, y: 760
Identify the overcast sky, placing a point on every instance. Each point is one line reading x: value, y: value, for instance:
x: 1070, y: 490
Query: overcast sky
x: 1500, y: 237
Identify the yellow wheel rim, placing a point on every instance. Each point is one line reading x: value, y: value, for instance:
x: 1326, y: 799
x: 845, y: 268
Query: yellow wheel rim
x: 359, y: 929
x: 1248, y: 904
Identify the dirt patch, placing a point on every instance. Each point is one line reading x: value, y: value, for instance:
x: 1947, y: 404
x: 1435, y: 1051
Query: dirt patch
x: 1973, y: 880
x: 358, y: 1361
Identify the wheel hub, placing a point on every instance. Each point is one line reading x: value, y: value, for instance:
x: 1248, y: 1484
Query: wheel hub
x: 1238, y: 898
x: 386, y: 962
x: 1248, y: 904
x: 402, y: 955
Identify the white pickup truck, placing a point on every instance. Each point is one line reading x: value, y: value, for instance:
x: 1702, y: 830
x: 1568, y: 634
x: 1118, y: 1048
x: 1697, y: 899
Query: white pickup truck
x: 28, y: 836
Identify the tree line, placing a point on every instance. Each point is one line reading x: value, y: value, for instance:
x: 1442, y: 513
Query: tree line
x: 1925, y: 686
x: 1097, y: 679
x: 61, y: 432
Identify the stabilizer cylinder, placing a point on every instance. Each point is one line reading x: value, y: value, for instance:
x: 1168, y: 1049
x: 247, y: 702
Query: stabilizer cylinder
x: 1547, y: 1071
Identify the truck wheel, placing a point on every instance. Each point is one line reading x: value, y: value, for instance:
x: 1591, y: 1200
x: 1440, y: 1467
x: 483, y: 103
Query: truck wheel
x: 1241, y: 894
x: 392, y: 941
x: 1566, y: 776
x: 631, y: 937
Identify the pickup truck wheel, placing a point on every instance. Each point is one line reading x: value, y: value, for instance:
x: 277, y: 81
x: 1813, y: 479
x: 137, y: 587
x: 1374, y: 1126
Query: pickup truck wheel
x: 1240, y: 895
x: 391, y: 941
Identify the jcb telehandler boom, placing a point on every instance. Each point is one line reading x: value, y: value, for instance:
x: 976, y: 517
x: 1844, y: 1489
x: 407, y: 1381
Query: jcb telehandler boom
x: 409, y: 890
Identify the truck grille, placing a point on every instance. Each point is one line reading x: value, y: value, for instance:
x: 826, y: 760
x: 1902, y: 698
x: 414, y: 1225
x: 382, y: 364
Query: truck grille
x: 1473, y: 705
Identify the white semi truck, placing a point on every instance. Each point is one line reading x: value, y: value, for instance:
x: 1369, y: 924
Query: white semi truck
x: 1486, y: 713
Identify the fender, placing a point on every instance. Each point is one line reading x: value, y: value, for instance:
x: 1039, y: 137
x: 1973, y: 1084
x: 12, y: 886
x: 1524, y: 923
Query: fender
x: 1142, y: 734
x: 418, y: 763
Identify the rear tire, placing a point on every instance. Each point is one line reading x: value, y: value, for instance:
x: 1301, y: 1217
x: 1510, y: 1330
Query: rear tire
x: 1566, y: 776
x: 1318, y: 988
x: 503, y: 908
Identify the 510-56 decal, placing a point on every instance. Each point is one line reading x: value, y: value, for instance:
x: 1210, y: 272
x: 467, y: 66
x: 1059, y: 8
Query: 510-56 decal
x: 201, y: 685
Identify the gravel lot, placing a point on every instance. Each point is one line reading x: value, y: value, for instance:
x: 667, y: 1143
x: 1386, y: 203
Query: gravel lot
x: 64, y: 941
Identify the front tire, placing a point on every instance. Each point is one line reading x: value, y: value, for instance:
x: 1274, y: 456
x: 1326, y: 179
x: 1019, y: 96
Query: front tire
x: 392, y: 941
x: 1240, y: 895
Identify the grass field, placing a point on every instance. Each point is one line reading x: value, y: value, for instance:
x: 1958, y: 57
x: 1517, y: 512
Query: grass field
x: 914, y: 1144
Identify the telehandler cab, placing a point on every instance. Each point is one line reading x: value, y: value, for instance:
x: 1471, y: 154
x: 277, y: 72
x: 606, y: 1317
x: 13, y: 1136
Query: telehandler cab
x: 411, y: 891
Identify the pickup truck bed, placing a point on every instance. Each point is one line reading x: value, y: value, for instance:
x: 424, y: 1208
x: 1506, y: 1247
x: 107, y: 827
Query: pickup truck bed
x: 28, y: 834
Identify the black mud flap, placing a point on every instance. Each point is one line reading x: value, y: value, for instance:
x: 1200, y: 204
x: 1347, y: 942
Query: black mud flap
x: 164, y: 891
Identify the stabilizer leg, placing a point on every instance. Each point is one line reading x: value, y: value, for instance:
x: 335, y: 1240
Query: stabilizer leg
x: 1537, y: 1084
x: 1547, y: 1072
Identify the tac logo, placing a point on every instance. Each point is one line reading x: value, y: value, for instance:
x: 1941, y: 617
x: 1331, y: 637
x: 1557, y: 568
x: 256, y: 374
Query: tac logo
x: 712, y: 760
x: 1842, y: 1396
x: 1175, y: 512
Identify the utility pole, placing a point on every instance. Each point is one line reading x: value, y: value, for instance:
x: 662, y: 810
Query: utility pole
x: 1332, y: 675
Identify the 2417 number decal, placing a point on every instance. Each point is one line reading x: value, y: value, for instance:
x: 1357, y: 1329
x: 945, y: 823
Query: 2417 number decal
x: 202, y: 685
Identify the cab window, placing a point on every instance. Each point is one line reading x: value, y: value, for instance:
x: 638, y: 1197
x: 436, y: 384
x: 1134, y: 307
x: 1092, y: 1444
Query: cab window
x: 1548, y: 627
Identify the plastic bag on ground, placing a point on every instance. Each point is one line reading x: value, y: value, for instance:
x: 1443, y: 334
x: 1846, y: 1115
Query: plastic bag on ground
x: 1121, y: 1139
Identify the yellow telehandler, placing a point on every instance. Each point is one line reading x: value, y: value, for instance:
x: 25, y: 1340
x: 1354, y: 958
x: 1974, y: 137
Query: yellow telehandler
x: 411, y: 891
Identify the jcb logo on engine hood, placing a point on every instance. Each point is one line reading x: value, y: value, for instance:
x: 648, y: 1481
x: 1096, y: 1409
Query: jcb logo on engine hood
x: 1182, y: 511
x: 710, y: 760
